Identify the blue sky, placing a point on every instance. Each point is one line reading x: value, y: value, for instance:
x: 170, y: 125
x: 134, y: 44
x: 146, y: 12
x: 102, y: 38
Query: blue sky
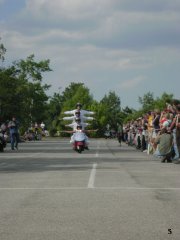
x: 128, y: 46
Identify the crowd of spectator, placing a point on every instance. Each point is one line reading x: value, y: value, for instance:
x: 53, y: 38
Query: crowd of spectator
x: 156, y: 132
x: 35, y: 132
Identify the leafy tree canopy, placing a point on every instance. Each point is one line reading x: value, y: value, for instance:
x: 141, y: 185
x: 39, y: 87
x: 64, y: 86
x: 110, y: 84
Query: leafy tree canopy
x: 2, y: 52
x: 76, y: 92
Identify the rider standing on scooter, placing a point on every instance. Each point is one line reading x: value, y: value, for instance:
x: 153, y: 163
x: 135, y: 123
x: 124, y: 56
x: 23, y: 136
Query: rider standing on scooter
x: 76, y: 123
x: 78, y: 115
x: 82, y: 112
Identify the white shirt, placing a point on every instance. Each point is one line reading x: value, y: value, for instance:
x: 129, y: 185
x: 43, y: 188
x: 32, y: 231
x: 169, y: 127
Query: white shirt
x: 74, y: 125
x: 82, y: 112
x: 83, y: 118
x: 79, y: 136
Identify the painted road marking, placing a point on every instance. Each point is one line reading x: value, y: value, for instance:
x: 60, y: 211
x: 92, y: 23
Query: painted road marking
x: 92, y: 176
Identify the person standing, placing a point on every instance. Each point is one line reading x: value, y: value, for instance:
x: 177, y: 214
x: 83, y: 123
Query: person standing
x: 119, y: 133
x: 78, y: 115
x: 177, y: 140
x: 175, y: 128
x: 79, y: 108
x: 76, y: 123
x: 13, y: 126
x: 42, y: 126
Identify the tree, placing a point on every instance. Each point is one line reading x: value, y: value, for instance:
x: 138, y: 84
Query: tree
x: 2, y: 52
x: 53, y: 112
x: 30, y: 72
x: 147, y: 101
x: 11, y: 94
x: 126, y: 113
x: 76, y: 92
x: 160, y: 102
x: 110, y: 109
x: 22, y: 93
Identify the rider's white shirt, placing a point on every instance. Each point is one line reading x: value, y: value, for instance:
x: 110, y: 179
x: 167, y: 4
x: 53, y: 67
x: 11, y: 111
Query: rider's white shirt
x: 74, y: 125
x: 79, y: 135
x: 82, y: 112
x: 83, y: 118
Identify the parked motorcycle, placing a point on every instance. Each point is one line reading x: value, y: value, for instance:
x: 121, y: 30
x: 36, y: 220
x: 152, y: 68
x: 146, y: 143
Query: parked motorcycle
x: 2, y: 141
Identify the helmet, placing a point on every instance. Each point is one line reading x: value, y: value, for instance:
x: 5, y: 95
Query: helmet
x: 78, y: 105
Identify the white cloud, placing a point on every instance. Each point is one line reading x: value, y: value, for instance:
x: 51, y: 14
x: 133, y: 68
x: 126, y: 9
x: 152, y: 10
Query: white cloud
x: 71, y: 9
x: 99, y: 23
x: 99, y: 42
x: 112, y: 10
x: 132, y: 83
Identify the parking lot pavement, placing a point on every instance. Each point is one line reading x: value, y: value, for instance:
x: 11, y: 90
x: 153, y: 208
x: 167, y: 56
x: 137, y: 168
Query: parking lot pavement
x: 48, y: 191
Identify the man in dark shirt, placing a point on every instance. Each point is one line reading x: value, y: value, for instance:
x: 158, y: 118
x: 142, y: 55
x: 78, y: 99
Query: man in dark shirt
x: 14, y: 133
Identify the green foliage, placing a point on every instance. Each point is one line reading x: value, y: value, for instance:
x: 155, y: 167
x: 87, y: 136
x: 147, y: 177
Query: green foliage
x: 160, y: 102
x: 127, y: 113
x: 11, y: 93
x: 53, y: 112
x: 29, y: 69
x: 147, y: 101
x: 109, y: 112
x: 22, y: 93
x: 134, y: 115
x: 76, y: 92
x: 2, y: 52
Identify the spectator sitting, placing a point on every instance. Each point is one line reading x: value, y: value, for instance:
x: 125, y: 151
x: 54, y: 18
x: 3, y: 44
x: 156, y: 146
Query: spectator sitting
x: 42, y: 126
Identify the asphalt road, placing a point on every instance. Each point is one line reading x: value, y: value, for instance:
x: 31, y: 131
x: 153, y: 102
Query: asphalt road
x: 50, y: 192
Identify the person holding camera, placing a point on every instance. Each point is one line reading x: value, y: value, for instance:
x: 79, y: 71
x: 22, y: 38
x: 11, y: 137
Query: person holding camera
x: 164, y: 141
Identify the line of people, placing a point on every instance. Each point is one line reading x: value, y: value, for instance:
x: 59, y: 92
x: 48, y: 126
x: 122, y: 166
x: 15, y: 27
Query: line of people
x: 35, y: 132
x: 157, y: 132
